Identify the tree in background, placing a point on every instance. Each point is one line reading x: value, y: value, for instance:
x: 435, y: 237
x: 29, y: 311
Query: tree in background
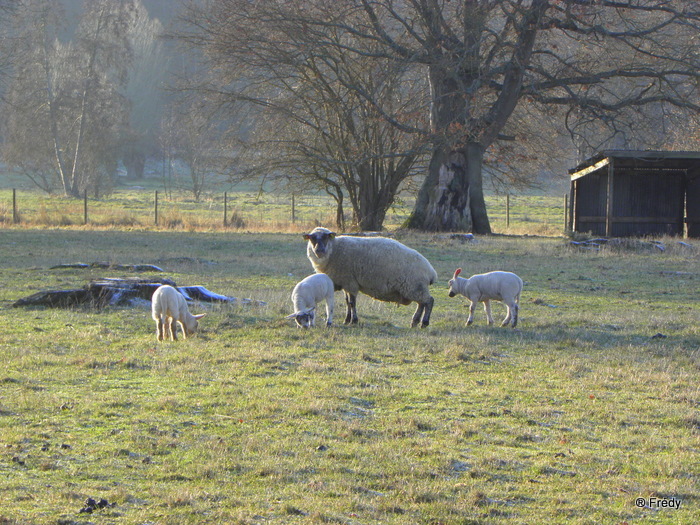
x: 69, y: 116
x: 601, y: 61
x: 191, y: 134
x: 144, y: 90
x: 321, y: 118
x: 602, y: 69
x: 7, y: 8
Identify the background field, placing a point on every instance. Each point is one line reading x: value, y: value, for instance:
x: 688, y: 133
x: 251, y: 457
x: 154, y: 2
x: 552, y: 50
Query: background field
x: 247, y: 209
x: 590, y: 405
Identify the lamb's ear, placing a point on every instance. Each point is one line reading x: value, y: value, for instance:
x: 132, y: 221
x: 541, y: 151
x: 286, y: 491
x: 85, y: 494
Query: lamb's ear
x: 457, y: 272
x: 307, y: 237
x: 332, y: 235
x: 308, y: 310
x: 199, y: 316
x: 291, y: 316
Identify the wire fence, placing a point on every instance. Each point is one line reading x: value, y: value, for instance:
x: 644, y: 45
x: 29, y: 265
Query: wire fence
x: 517, y: 214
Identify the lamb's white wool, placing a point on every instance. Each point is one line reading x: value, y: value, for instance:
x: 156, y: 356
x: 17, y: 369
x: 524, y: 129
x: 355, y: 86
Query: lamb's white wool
x: 380, y: 267
x: 484, y: 287
x: 307, y: 294
x: 168, y: 306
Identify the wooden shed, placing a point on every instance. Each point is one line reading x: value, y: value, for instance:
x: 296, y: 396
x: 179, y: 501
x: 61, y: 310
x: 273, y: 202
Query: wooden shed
x: 635, y: 193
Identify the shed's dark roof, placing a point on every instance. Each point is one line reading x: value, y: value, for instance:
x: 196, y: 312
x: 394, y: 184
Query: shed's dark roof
x: 655, y: 159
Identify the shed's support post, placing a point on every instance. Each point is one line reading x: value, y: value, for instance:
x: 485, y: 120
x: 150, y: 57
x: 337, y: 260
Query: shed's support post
x: 609, y: 202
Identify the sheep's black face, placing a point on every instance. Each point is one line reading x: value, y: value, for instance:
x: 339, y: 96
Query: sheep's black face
x: 319, y: 239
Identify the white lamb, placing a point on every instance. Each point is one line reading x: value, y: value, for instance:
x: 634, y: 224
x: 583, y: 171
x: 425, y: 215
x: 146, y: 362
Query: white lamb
x: 484, y: 287
x: 168, y: 307
x: 307, y: 294
x: 380, y: 267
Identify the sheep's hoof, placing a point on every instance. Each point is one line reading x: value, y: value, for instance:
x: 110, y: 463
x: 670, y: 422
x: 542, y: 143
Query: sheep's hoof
x: 424, y: 325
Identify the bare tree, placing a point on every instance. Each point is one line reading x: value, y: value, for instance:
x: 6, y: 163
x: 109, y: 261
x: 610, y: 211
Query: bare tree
x: 321, y: 114
x: 66, y: 108
x: 192, y: 135
x: 609, y: 66
x: 144, y: 89
x: 7, y: 8
x: 602, y: 60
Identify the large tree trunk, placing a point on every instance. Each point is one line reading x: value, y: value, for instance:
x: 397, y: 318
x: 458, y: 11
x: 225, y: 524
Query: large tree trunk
x: 134, y: 161
x: 477, y: 204
x: 451, y: 198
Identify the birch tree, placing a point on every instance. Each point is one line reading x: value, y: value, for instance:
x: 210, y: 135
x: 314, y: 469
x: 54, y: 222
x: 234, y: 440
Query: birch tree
x: 67, y: 110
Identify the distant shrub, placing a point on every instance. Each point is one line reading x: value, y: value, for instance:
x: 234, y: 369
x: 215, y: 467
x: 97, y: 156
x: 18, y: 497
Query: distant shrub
x: 235, y: 220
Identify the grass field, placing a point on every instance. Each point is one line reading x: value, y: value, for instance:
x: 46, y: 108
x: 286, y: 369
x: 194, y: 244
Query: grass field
x: 592, y: 404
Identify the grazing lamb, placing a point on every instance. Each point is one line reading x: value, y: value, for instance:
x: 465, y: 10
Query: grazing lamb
x: 168, y: 307
x: 382, y: 268
x: 309, y: 292
x: 482, y: 288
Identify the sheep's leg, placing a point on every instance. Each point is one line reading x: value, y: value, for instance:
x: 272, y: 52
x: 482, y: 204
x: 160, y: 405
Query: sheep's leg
x: 351, y: 302
x: 417, y: 315
x: 329, y: 311
x: 515, y: 314
x: 428, y: 310
x: 509, y: 315
x: 472, y: 307
x: 171, y: 328
x: 487, y: 309
x: 160, y: 329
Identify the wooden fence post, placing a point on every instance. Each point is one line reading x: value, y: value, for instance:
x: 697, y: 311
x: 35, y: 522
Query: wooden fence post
x: 566, y: 213
x: 507, y: 210
x: 225, y: 209
x: 156, y: 208
x: 15, y: 215
x: 293, y: 210
x: 85, y: 209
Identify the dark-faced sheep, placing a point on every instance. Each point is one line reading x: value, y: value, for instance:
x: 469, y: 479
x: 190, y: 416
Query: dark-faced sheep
x: 379, y: 267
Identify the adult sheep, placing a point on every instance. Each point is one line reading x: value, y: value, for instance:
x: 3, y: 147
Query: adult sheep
x: 379, y: 267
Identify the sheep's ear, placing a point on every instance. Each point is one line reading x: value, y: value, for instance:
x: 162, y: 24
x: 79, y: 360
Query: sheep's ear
x: 332, y: 235
x: 457, y: 272
x: 199, y: 316
x: 308, y: 310
x: 307, y: 236
x: 291, y: 316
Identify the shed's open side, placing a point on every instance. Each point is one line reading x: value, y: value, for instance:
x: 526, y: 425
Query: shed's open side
x: 636, y: 193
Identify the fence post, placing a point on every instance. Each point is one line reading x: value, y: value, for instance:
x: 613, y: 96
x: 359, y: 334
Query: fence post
x: 156, y: 208
x: 85, y: 209
x: 293, y: 210
x: 566, y: 213
x: 15, y: 215
x: 225, y: 209
x: 507, y: 210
